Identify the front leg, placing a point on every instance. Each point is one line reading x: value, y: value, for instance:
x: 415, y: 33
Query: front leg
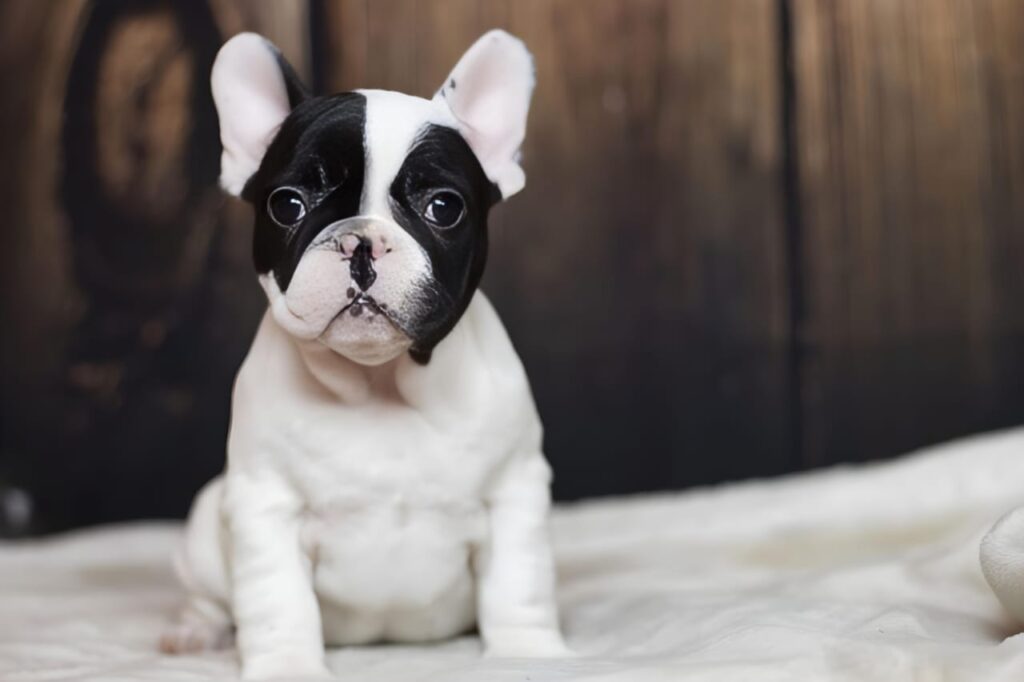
x: 273, y: 603
x: 517, y: 612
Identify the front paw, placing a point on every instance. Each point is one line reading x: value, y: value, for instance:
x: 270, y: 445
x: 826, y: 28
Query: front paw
x: 291, y: 667
x: 526, y: 643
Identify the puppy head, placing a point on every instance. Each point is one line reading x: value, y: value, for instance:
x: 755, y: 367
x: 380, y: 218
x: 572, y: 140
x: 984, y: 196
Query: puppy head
x: 371, y: 206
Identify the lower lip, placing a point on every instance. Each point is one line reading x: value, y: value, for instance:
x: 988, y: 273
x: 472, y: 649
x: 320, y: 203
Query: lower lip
x: 364, y: 303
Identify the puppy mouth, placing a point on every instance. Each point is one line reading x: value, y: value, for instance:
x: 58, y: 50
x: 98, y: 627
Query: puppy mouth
x: 364, y: 303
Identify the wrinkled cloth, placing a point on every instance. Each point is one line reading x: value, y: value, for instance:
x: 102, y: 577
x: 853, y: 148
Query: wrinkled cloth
x: 852, y: 573
x: 1002, y: 561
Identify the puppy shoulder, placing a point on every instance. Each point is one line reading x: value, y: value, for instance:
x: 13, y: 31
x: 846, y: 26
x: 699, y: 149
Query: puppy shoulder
x: 491, y: 337
x: 272, y: 364
x: 524, y: 478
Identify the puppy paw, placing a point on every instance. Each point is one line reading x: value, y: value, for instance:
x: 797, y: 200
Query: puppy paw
x: 526, y: 643
x: 291, y: 667
x: 194, y: 637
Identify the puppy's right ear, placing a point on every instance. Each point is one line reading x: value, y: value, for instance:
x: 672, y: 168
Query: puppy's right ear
x: 254, y: 89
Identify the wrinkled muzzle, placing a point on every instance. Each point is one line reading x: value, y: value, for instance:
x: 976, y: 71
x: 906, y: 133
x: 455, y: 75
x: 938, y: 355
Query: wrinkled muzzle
x: 361, y: 281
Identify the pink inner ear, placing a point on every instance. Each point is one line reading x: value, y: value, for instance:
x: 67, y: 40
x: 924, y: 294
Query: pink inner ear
x: 252, y: 101
x: 486, y: 114
x: 491, y: 98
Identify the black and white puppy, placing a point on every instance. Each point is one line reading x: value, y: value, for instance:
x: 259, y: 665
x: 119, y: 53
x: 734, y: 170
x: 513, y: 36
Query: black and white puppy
x: 385, y: 479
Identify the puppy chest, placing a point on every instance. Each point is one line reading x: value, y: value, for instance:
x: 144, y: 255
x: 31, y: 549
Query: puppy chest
x: 392, y: 556
x: 386, y: 457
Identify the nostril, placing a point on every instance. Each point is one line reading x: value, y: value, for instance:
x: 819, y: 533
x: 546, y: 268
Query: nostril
x: 379, y: 248
x: 349, y: 244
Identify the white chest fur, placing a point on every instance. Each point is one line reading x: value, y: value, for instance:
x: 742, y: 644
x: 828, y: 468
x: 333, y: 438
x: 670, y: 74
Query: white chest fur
x: 399, y: 502
x: 339, y: 432
x: 388, y: 467
x: 386, y: 475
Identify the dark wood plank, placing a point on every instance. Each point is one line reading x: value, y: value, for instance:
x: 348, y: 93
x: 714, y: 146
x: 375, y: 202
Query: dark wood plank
x: 911, y: 158
x: 38, y: 298
x: 35, y: 250
x: 641, y: 273
x: 130, y: 292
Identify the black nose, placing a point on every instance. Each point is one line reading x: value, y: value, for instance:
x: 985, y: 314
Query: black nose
x: 360, y: 265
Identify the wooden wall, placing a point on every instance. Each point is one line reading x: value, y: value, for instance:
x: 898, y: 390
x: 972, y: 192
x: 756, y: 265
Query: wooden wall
x: 757, y: 235
x: 910, y: 147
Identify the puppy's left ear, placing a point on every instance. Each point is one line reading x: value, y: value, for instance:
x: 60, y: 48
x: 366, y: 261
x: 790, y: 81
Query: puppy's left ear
x: 489, y: 91
x: 254, y: 89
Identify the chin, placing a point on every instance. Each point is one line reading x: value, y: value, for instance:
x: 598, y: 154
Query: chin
x: 368, y: 338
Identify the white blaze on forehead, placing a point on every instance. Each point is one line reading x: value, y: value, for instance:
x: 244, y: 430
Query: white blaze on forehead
x: 393, y: 121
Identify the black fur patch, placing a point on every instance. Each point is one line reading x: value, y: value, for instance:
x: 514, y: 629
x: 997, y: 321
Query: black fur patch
x: 320, y: 152
x: 440, y: 159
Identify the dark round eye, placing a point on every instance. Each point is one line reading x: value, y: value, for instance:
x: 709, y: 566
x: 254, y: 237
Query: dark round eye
x: 286, y: 206
x: 444, y: 209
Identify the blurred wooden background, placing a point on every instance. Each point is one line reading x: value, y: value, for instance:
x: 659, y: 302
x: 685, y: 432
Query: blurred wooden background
x: 757, y: 235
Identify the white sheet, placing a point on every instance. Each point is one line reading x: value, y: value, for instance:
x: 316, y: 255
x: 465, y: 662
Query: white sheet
x: 866, y: 573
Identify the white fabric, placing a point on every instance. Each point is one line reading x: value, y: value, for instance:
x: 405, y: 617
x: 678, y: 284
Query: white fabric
x: 867, y: 573
x: 1002, y: 561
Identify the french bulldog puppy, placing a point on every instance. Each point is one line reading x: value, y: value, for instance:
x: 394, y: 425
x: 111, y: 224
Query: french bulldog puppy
x: 385, y: 479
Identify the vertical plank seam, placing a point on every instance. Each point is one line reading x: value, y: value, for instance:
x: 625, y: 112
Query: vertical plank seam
x: 793, y: 233
x: 316, y: 27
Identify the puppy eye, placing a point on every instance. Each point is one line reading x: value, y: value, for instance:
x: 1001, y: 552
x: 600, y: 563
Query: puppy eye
x: 444, y: 208
x: 286, y: 206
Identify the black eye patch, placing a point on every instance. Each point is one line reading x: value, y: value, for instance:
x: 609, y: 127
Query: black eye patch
x: 441, y: 197
x: 317, y: 159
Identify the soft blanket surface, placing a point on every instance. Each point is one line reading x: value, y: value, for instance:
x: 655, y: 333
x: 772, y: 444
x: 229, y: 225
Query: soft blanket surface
x: 855, y: 573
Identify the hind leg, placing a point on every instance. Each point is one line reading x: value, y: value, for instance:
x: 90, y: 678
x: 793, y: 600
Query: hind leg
x: 205, y: 621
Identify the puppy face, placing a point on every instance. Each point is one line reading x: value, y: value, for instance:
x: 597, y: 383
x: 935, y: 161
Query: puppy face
x: 371, y: 223
x: 371, y: 206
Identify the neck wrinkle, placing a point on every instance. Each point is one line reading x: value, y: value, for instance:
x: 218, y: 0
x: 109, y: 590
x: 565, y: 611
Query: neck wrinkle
x: 347, y: 380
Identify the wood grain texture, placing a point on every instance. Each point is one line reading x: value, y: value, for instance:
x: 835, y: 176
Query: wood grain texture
x: 910, y: 120
x: 130, y: 282
x: 641, y: 272
x: 38, y: 300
